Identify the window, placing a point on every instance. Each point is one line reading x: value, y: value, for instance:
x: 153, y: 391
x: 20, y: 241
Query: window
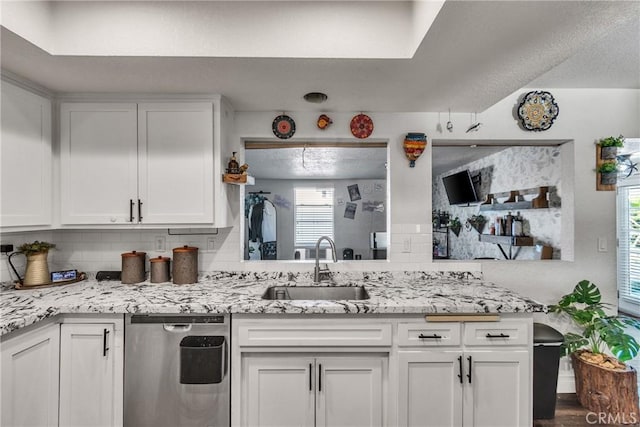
x: 313, y: 215
x: 628, y: 213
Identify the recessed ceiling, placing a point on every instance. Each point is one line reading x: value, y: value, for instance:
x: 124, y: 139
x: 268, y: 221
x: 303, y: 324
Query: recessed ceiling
x: 473, y: 55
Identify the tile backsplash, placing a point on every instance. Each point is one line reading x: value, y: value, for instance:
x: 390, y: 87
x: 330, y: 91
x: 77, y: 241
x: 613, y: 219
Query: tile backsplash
x: 219, y: 249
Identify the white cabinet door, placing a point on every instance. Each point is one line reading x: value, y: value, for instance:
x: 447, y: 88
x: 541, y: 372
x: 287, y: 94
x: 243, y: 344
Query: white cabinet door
x: 88, y: 375
x: 349, y: 391
x: 176, y: 162
x: 278, y: 391
x: 98, y: 163
x: 430, y: 389
x: 25, y: 143
x: 499, y: 391
x: 30, y: 378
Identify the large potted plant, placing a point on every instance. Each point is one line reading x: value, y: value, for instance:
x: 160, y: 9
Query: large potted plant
x: 609, y: 146
x: 604, y: 383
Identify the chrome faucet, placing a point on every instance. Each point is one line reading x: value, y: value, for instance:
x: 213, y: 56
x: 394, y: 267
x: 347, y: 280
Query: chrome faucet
x: 317, y: 270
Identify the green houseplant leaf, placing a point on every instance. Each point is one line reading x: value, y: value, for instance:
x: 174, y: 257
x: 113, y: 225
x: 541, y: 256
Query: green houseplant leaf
x: 598, y: 330
x: 35, y: 247
x: 612, y: 141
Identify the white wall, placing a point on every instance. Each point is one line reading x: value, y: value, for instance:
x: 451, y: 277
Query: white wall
x: 585, y: 116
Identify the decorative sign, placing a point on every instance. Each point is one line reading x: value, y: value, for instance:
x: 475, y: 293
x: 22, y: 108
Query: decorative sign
x: 537, y: 111
x: 283, y: 126
x: 361, y: 126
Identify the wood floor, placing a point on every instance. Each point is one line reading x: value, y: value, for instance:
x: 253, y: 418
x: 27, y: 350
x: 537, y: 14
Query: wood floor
x: 569, y: 413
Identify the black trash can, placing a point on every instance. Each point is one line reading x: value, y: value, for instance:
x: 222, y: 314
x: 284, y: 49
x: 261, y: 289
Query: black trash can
x: 546, y: 361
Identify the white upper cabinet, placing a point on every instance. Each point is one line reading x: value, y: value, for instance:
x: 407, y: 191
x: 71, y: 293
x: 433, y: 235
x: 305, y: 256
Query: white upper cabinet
x: 98, y: 163
x: 141, y: 164
x: 175, y: 157
x: 25, y: 147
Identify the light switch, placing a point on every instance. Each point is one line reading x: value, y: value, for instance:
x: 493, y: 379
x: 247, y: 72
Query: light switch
x: 602, y: 244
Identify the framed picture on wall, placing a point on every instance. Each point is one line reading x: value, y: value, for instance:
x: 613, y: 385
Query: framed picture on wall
x: 350, y: 210
x: 354, y: 192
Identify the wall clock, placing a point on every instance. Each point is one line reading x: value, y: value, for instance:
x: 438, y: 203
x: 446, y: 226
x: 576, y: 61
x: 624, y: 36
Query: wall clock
x: 537, y: 111
x: 283, y: 126
x: 361, y: 126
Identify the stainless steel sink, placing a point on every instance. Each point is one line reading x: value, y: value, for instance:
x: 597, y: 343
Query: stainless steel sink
x: 329, y: 293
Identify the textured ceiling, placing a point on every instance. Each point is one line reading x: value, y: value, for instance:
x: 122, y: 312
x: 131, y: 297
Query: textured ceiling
x: 474, y: 54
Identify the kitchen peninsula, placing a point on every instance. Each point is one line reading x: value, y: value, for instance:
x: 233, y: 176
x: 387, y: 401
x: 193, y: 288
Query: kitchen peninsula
x: 450, y: 336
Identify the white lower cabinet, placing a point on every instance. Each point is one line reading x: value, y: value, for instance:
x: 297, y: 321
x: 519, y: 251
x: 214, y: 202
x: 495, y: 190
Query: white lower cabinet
x: 89, y: 386
x: 430, y: 391
x: 292, y: 390
x: 485, y: 381
x: 30, y: 378
x: 67, y: 374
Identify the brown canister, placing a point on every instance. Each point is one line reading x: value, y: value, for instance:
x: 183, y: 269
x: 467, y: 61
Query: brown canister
x: 133, y: 264
x: 159, y: 268
x: 185, y: 265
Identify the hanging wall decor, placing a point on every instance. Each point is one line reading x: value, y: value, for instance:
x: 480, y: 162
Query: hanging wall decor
x: 323, y: 121
x: 361, y: 126
x: 414, y: 144
x: 537, y: 111
x: 283, y: 126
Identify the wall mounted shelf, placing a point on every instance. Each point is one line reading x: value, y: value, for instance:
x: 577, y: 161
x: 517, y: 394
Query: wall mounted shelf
x: 511, y: 241
x: 514, y: 202
x: 238, y: 179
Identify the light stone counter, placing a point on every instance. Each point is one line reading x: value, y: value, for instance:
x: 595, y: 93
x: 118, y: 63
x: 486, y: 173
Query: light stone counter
x: 240, y: 292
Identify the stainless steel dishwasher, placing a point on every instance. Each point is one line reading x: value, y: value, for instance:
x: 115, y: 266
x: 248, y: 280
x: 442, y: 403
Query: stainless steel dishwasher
x: 176, y: 371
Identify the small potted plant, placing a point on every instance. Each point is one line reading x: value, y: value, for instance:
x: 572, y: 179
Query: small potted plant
x: 609, y: 146
x: 477, y: 222
x: 455, y: 226
x: 608, y: 172
x: 37, y: 269
x: 604, y: 383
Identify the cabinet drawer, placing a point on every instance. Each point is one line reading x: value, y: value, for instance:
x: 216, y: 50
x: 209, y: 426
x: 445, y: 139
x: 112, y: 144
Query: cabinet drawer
x: 428, y: 335
x: 496, y: 334
x: 314, y: 335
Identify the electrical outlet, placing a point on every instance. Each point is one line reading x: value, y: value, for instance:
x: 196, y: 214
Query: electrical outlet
x: 160, y: 244
x: 211, y: 244
x: 406, y: 245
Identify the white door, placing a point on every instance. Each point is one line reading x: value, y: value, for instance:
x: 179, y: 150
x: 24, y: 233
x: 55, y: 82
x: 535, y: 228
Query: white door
x: 25, y: 147
x: 498, y: 394
x: 176, y: 162
x: 98, y: 163
x: 277, y: 391
x: 30, y: 378
x: 87, y: 382
x: 349, y: 391
x: 430, y: 389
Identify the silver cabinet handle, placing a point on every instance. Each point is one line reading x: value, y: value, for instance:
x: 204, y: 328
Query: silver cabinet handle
x: 179, y: 327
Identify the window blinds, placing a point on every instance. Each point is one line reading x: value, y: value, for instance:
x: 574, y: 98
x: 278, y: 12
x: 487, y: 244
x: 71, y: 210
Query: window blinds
x: 313, y: 215
x: 628, y: 225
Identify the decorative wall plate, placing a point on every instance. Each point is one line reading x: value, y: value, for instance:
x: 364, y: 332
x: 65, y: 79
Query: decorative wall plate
x: 538, y: 110
x: 361, y: 126
x: 283, y: 126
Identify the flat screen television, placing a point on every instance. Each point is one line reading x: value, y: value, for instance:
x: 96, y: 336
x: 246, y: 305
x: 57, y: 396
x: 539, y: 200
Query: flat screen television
x: 459, y: 188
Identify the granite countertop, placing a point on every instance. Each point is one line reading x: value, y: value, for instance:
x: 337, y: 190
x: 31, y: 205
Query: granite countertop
x: 240, y: 292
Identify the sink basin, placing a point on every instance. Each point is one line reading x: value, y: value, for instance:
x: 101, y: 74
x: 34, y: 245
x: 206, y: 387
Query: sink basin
x: 329, y: 293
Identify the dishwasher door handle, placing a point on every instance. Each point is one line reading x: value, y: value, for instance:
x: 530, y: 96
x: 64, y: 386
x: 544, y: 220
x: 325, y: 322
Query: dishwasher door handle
x: 176, y: 327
